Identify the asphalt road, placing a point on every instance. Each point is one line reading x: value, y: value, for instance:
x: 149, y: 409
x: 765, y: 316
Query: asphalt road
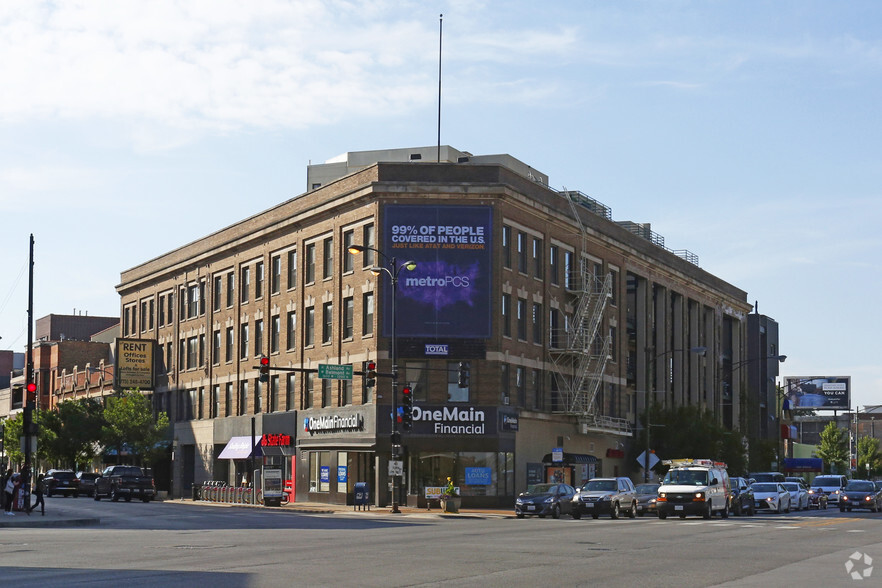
x: 175, y: 544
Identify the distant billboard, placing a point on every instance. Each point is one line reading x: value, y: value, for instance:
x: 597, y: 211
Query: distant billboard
x: 134, y: 364
x: 448, y: 293
x: 818, y: 392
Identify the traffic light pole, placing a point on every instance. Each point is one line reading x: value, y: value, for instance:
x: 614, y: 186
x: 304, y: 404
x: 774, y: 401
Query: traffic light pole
x: 28, y: 422
x: 396, y: 436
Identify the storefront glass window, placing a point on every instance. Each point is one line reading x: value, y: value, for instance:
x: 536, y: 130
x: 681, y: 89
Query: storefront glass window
x: 477, y: 473
x: 417, y: 377
x: 320, y: 471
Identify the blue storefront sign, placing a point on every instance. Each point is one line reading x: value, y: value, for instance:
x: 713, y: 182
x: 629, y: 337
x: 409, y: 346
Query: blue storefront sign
x: 342, y: 474
x: 325, y: 474
x: 478, y: 476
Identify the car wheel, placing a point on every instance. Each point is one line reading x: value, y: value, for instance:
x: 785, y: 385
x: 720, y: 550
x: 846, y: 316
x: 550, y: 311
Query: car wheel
x: 519, y: 515
x: 576, y: 515
x: 114, y: 497
x: 594, y: 515
x: 708, y: 511
x: 555, y: 512
x: 614, y: 511
x: 725, y: 512
x: 682, y: 516
x: 96, y: 496
x: 788, y: 508
x: 633, y: 513
x: 737, y: 511
x: 128, y: 497
x: 751, y: 511
x: 662, y: 515
x: 542, y: 516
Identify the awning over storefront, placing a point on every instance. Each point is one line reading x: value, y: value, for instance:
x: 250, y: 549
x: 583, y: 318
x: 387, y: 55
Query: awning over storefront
x: 571, y: 458
x: 241, y: 448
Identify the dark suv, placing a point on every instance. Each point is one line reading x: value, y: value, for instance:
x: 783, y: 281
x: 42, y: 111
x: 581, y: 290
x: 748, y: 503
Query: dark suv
x: 606, y: 496
x: 742, y: 497
x: 62, y: 482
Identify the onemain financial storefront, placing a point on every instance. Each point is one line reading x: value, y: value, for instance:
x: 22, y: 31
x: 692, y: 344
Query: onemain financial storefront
x: 474, y: 445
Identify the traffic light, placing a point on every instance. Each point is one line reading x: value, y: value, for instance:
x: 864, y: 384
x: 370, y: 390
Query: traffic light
x: 370, y: 373
x: 32, y: 387
x: 463, y: 379
x: 407, y: 408
x: 264, y: 368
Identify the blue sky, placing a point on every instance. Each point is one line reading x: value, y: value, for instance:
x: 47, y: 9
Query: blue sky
x: 746, y: 132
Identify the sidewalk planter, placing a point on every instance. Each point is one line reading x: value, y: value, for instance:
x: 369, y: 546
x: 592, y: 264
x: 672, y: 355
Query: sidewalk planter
x: 451, y: 504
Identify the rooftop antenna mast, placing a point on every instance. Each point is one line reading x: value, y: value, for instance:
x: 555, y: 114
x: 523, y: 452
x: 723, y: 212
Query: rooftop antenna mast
x: 440, y: 31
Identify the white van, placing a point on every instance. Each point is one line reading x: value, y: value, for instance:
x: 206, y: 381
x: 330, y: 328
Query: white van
x: 830, y: 485
x: 694, y: 486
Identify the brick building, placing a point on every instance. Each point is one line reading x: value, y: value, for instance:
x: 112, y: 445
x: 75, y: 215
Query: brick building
x: 567, y: 319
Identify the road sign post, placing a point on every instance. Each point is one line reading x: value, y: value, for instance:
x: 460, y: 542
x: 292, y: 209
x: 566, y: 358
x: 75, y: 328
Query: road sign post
x: 335, y: 372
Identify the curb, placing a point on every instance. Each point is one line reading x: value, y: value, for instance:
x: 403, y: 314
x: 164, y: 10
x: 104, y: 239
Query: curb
x: 40, y: 522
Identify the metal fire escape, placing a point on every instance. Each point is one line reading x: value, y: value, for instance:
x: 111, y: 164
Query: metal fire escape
x: 580, y: 349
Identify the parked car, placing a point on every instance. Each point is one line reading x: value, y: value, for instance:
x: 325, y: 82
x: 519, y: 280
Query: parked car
x: 647, y: 499
x: 770, y: 496
x: 61, y: 482
x: 798, y: 480
x: 817, y: 499
x: 87, y: 482
x: 860, y: 494
x: 545, y: 499
x: 606, y: 496
x: 742, y: 497
x: 125, y: 481
x: 798, y: 495
x: 831, y: 485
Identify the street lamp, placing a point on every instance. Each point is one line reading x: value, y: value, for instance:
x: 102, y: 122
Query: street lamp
x: 392, y: 271
x: 701, y: 351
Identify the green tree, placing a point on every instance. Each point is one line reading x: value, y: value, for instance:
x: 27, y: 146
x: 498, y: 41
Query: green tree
x: 833, y: 449
x: 868, y: 453
x: 130, y: 422
x: 13, y: 431
x: 77, y: 425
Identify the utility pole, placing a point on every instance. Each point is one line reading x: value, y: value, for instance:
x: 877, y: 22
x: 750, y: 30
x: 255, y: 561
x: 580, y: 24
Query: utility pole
x: 29, y: 429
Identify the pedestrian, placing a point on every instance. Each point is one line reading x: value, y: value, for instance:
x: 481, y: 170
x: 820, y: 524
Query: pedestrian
x: 40, y: 487
x: 3, y: 481
x: 9, y: 490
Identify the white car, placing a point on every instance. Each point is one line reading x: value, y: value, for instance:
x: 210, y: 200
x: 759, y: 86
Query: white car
x: 799, y: 497
x: 770, y: 496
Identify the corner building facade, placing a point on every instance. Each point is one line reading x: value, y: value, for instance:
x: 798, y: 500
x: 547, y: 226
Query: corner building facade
x: 568, y: 322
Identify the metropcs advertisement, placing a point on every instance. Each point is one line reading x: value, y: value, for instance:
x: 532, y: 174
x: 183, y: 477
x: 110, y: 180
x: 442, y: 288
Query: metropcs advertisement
x: 448, y: 293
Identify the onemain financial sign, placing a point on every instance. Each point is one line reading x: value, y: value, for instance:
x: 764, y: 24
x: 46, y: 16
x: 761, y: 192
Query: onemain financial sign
x: 134, y: 364
x: 454, y: 420
x: 448, y: 294
x: 818, y: 392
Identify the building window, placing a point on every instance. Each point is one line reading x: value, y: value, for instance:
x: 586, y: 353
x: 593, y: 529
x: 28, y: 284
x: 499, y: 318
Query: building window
x: 309, y: 327
x: 310, y: 263
x: 291, y: 336
x: 327, y: 321
x: 290, y: 392
x: 454, y: 392
x: 346, y: 398
x: 214, y: 410
x: 348, y: 258
x: 192, y: 353
x: 506, y: 246
x: 521, y: 385
x: 554, y: 265
x: 258, y: 280
x: 554, y: 328
x: 307, y: 394
x: 228, y: 400
x: 276, y: 277
x: 614, y: 287
x: 215, y: 347
x: 505, y: 384
x: 367, y: 240
x: 612, y: 343
x: 327, y: 392
x: 231, y: 289
x: 522, y: 319
x: 193, y: 301
x: 537, y: 257
x: 348, y: 317
x: 367, y: 314
x: 292, y: 269
x: 243, y: 341
x: 598, y: 277
x: 273, y: 403
x: 275, y: 327
x: 522, y: 252
x: 228, y: 353
x: 143, y: 316
x: 319, y: 461
x: 201, y: 350
x: 243, y: 398
x: 506, y: 315
x: 246, y: 284
x: 537, y: 324
x: 162, y: 310
x: 536, y: 387
x: 568, y: 270
x: 169, y: 358
x: 150, y: 314
x: 258, y: 337
x: 416, y: 375
x: 216, y: 293
x: 258, y: 396
x: 327, y: 258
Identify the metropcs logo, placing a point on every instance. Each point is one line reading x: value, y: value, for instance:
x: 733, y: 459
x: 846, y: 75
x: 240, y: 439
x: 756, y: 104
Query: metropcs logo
x: 439, y: 282
x: 447, y: 420
x: 334, y: 422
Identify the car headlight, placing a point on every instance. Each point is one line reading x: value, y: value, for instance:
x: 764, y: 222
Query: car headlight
x: 605, y: 497
x: 868, y: 498
x: 844, y: 497
x: 699, y: 495
x: 835, y: 492
x: 662, y: 494
x: 652, y: 500
x: 770, y: 499
x: 811, y: 491
x: 549, y: 500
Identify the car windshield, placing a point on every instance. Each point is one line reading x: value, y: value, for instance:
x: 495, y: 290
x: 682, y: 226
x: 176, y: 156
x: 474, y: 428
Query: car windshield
x: 765, y: 487
x: 825, y: 481
x: 647, y: 488
x: 601, y: 485
x: 687, y: 477
x: 63, y: 475
x: 860, y: 487
x: 791, y: 486
x: 540, y: 488
x: 767, y: 477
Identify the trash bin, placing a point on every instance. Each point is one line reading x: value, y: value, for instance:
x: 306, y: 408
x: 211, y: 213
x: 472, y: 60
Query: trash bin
x: 361, y: 499
x: 197, y: 491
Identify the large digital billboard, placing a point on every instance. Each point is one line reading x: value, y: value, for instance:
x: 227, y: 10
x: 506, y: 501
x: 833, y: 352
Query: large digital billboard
x: 448, y: 294
x: 818, y: 392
